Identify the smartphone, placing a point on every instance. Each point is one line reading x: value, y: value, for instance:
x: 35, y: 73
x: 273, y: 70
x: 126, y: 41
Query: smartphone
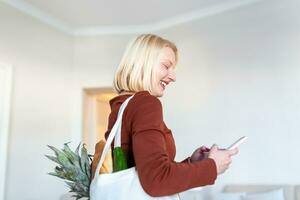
x: 237, y: 143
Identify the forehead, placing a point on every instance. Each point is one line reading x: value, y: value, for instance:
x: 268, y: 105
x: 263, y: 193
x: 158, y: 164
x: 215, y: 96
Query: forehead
x: 167, y: 54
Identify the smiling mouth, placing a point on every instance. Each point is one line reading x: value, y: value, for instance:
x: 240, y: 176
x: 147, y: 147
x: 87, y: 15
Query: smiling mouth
x: 163, y: 84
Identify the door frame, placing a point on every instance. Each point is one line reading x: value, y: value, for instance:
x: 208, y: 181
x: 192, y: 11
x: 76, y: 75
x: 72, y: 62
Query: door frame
x: 5, y: 124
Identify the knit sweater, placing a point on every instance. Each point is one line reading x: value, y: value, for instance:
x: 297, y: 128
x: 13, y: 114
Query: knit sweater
x: 150, y: 147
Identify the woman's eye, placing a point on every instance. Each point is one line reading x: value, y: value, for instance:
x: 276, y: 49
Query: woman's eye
x: 165, y: 66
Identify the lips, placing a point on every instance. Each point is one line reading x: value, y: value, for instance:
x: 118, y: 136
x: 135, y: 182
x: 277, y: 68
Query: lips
x: 163, y: 84
x: 164, y: 87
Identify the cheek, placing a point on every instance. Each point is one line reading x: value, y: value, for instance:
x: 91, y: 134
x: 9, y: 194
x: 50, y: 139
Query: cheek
x: 163, y: 73
x: 160, y: 74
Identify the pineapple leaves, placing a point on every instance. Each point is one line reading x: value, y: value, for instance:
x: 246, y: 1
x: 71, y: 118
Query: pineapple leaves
x: 73, y: 167
x: 85, y: 166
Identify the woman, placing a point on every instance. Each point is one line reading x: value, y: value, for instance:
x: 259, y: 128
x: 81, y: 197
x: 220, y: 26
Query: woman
x: 146, y: 70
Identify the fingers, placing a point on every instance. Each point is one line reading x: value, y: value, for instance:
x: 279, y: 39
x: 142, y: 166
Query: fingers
x: 204, y: 149
x: 229, y: 161
x: 223, y: 158
x: 233, y: 152
x: 214, y: 147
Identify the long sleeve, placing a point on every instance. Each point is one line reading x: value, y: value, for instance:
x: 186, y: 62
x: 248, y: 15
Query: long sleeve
x: 159, y: 174
x: 186, y: 160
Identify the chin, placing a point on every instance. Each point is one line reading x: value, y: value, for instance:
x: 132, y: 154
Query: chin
x: 158, y: 94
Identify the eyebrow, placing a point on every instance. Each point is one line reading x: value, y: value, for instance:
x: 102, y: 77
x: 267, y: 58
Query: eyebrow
x: 169, y: 62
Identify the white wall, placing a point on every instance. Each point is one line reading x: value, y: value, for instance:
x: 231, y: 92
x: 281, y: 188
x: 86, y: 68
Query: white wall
x: 240, y: 71
x: 42, y: 59
x: 95, y: 62
x: 238, y: 75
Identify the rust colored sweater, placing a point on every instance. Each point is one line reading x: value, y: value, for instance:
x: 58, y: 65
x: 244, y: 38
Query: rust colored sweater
x: 149, y: 145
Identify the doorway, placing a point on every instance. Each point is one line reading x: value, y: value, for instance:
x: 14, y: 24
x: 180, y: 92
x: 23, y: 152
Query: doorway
x: 96, y: 110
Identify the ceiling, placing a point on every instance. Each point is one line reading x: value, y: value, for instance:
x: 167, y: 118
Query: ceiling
x: 92, y: 17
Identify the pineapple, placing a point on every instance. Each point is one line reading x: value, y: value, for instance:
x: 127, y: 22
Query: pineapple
x: 74, y: 168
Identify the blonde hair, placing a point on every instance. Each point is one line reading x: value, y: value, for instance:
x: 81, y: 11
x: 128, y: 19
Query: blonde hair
x: 136, y: 71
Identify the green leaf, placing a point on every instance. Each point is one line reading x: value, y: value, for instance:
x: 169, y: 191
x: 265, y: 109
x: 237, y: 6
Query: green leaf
x: 54, y: 159
x: 63, y: 160
x: 57, y: 175
x: 56, y: 151
x: 77, y: 149
x: 84, y: 159
x: 73, y: 168
x: 73, y: 157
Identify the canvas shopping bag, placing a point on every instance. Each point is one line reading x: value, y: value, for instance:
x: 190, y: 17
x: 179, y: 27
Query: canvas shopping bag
x: 121, y: 185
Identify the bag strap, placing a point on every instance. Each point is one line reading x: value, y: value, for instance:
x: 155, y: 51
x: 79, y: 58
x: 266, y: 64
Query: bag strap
x: 114, y: 133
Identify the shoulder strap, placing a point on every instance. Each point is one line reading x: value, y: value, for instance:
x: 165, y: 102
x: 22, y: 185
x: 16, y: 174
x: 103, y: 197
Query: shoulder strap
x: 115, y: 132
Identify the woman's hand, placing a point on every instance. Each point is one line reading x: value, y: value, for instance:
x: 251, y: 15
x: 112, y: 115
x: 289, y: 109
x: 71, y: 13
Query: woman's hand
x: 222, y: 157
x: 200, y: 153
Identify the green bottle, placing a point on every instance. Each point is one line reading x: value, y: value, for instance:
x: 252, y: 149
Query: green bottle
x: 119, y: 160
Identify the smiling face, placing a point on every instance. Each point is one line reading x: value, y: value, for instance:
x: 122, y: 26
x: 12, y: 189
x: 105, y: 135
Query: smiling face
x: 148, y: 64
x: 165, y: 71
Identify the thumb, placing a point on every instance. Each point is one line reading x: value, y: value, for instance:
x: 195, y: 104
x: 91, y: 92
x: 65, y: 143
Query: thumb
x: 233, y: 151
x: 214, y: 147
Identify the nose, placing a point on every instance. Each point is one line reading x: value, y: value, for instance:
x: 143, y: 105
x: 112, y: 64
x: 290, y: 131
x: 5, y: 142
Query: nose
x: 172, y: 75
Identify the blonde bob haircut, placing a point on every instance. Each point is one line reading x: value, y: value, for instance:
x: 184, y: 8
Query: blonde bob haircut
x: 137, y: 69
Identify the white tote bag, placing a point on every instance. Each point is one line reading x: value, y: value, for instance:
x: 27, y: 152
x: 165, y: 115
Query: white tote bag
x: 121, y: 185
